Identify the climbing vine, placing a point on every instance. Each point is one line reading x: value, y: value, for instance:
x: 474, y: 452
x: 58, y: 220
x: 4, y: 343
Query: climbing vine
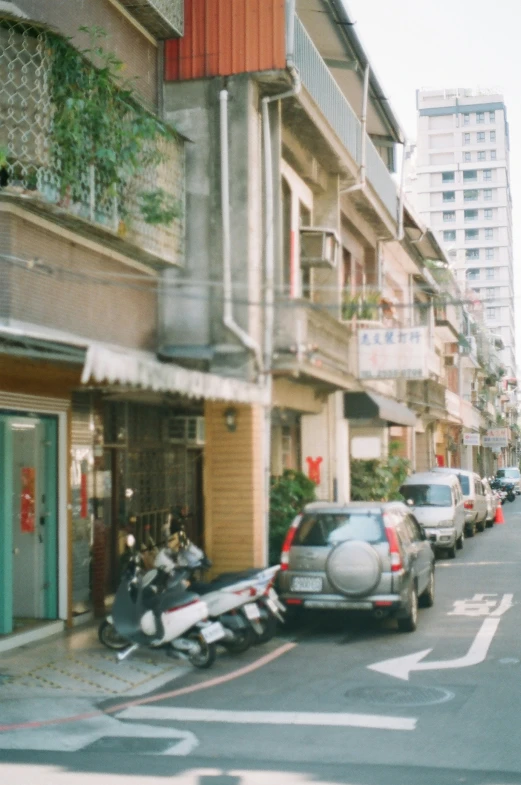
x: 99, y: 125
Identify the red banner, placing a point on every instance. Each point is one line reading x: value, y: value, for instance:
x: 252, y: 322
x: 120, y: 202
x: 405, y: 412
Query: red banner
x: 27, y: 502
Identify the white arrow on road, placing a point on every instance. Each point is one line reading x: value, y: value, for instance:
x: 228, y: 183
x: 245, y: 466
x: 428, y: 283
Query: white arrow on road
x: 401, y: 667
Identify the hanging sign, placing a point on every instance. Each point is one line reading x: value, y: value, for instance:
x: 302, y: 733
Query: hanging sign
x: 27, y: 501
x: 395, y: 353
x: 471, y: 439
x: 496, y: 437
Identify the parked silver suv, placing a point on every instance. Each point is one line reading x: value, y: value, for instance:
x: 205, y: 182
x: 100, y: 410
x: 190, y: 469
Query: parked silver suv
x: 367, y: 556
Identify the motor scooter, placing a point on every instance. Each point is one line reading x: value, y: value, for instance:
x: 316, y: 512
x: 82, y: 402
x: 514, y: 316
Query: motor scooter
x: 147, y: 612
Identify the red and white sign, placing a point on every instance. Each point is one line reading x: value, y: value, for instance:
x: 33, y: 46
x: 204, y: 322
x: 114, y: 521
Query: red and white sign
x: 471, y: 439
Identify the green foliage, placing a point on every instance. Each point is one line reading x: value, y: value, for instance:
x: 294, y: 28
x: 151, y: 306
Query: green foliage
x: 288, y: 495
x: 362, y: 305
x: 98, y: 122
x: 376, y: 480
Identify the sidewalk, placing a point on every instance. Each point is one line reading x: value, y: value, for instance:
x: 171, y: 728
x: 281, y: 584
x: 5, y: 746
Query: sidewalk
x: 75, y: 663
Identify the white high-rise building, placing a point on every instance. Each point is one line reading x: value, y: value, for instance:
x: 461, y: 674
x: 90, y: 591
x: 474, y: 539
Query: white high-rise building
x: 459, y: 179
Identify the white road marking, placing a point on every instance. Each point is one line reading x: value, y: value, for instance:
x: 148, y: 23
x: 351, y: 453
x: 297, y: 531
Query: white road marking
x: 452, y: 564
x: 330, y: 719
x: 401, y: 667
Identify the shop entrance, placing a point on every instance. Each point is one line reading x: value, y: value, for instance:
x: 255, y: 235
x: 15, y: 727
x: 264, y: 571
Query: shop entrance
x: 28, y: 520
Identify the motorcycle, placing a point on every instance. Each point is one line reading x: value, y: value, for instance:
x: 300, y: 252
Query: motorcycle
x: 510, y: 491
x: 506, y: 490
x: 149, y: 611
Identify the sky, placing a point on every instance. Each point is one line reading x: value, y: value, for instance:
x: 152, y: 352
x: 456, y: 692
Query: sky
x: 449, y: 43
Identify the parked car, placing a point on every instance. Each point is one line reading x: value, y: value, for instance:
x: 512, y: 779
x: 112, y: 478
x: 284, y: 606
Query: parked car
x: 366, y: 556
x: 437, y: 502
x: 474, y: 498
x: 493, y: 501
x: 510, y: 474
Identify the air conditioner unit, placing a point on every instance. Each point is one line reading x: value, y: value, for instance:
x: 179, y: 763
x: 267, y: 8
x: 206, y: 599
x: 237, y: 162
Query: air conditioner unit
x: 185, y: 430
x: 319, y: 247
x: 449, y: 362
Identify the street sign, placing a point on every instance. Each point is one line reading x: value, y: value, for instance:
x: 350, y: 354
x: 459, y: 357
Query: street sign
x: 393, y: 353
x: 496, y: 437
x: 471, y: 439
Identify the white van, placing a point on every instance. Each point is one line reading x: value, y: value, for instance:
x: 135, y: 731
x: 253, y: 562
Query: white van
x: 474, y: 497
x: 437, y: 503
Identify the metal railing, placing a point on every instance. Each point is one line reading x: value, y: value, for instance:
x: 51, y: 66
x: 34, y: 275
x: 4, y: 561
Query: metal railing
x: 325, y: 91
x: 32, y: 161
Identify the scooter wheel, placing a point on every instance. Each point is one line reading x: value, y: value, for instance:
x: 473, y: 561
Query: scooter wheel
x: 205, y: 657
x: 269, y: 627
x: 242, y: 641
x: 109, y: 637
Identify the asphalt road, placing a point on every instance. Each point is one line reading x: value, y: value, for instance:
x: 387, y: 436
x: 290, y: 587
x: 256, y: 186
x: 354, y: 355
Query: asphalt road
x: 312, y: 710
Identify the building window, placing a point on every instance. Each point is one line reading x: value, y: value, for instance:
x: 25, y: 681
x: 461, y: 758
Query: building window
x: 488, y: 214
x: 470, y: 196
x: 492, y: 117
x: 473, y: 274
x: 467, y: 156
x: 470, y: 215
x: 449, y: 236
x: 449, y: 216
x: 491, y: 292
x: 466, y: 119
x: 487, y: 194
x: 472, y: 253
x: 482, y: 155
x: 471, y: 234
x: 493, y: 155
x: 489, y: 234
x: 453, y: 253
x: 489, y: 254
x: 447, y: 177
x: 492, y: 136
x: 490, y: 273
x: 449, y: 196
x: 466, y: 138
x: 492, y: 313
x: 487, y: 174
x: 480, y: 117
x: 470, y: 174
x: 481, y: 136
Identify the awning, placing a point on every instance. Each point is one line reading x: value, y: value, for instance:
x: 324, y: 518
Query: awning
x: 370, y: 406
x: 141, y: 370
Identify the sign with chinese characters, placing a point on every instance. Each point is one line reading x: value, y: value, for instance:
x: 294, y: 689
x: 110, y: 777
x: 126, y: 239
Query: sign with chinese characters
x: 471, y: 439
x: 393, y: 353
x: 496, y: 437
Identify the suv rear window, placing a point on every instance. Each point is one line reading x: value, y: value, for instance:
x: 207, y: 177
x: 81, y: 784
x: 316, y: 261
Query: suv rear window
x: 427, y: 495
x: 509, y: 474
x: 323, y: 529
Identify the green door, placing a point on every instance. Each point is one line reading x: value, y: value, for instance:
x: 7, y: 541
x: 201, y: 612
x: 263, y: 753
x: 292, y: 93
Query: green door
x: 28, y: 519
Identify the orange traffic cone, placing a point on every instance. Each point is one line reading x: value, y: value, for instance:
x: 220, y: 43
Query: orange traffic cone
x: 500, y: 518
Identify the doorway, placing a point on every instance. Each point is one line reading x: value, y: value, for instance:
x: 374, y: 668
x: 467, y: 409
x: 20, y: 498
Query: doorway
x: 28, y: 520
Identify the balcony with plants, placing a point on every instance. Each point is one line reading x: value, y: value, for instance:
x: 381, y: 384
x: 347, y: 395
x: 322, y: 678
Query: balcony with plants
x: 76, y: 144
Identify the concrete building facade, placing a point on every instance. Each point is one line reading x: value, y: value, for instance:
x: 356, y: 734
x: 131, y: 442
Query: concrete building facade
x: 459, y: 180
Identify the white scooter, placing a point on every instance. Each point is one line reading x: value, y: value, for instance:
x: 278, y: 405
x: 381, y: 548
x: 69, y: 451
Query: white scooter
x: 141, y: 608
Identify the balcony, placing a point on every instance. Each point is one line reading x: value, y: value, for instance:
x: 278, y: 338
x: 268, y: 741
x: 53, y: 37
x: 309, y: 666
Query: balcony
x: 57, y: 158
x: 162, y: 18
x: 321, y: 85
x: 453, y: 405
x: 470, y: 416
x: 428, y: 397
x: 448, y: 321
x: 312, y: 344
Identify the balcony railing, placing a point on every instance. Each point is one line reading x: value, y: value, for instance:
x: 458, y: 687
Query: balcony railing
x: 162, y: 18
x: 448, y: 316
x: 72, y: 179
x: 426, y: 394
x: 310, y: 341
x: 321, y: 85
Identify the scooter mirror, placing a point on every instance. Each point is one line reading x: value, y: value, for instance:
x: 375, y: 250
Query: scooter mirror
x: 131, y: 540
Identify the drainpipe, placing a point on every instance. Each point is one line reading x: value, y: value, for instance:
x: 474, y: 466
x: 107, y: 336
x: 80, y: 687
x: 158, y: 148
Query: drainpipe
x: 360, y: 184
x: 269, y: 280
x: 228, y: 319
x: 400, y: 233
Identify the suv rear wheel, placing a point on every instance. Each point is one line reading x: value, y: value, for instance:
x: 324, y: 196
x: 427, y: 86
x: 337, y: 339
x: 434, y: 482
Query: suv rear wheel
x: 410, y: 622
x: 427, y: 598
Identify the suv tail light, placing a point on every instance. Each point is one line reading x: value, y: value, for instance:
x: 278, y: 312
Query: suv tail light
x: 469, y: 505
x: 394, y: 548
x: 288, y: 542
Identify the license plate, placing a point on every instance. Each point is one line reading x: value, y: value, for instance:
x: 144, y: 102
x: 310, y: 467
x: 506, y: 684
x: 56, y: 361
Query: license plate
x: 214, y: 632
x: 252, y: 611
x: 306, y: 584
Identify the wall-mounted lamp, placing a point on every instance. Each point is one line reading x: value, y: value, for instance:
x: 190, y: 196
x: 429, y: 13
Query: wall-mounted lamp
x: 230, y: 418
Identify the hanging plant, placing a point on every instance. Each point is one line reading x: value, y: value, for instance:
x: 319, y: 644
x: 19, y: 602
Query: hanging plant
x: 100, y: 130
